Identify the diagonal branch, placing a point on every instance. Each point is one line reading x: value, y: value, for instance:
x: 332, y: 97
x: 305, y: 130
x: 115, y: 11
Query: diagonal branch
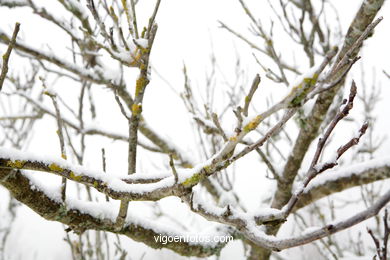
x: 271, y: 243
x: 358, y: 29
x: 7, y: 54
x: 342, y: 179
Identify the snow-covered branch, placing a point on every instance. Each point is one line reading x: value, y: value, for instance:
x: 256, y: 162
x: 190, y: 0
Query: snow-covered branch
x: 346, y: 177
x: 270, y: 242
x: 83, y: 215
x: 110, y: 47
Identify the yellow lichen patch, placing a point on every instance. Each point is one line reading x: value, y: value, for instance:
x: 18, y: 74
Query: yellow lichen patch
x: 125, y: 7
x: 207, y: 168
x: 195, y: 179
x: 18, y: 164
x: 47, y: 93
x: 310, y: 81
x: 55, y: 168
x: 145, y: 50
x: 95, y: 184
x: 136, y: 57
x: 142, y: 66
x: 252, y: 124
x: 113, y: 14
x: 304, y: 87
x: 233, y: 138
x: 75, y: 177
x: 140, y: 85
x: 187, y: 165
x: 63, y: 156
x: 143, y: 32
x: 136, y: 109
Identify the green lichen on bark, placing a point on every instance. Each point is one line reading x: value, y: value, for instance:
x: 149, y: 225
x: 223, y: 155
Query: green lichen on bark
x: 55, y: 167
x: 193, y: 180
x: 302, y: 90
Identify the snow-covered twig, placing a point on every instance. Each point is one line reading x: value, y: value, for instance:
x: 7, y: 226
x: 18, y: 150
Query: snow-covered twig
x: 274, y: 243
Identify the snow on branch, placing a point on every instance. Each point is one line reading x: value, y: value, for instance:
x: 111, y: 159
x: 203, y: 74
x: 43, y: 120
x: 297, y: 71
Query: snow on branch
x: 346, y: 177
x: 13, y: 3
x: 83, y: 215
x: 273, y: 243
x: 133, y: 50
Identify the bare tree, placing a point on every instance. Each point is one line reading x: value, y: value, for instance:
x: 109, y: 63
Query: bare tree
x: 107, y: 45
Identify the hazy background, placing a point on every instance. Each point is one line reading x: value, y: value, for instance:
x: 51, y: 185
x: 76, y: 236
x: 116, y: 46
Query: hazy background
x: 188, y: 33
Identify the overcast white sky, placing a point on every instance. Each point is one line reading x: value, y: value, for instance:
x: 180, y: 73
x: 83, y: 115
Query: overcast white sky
x: 187, y: 32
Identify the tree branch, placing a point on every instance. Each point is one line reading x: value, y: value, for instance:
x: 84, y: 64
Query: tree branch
x: 79, y: 219
x: 7, y: 54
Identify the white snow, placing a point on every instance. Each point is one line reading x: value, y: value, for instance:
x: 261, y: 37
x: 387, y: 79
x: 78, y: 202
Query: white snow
x: 354, y: 169
x: 198, y: 200
x: 109, y: 73
x: 51, y: 90
x: 265, y: 211
x: 53, y: 191
x: 142, y: 42
x: 76, y: 5
x: 113, y: 181
x: 109, y: 210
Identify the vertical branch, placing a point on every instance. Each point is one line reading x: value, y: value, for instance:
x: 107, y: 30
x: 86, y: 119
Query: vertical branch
x: 104, y: 166
x: 135, y: 26
x: 128, y: 17
x: 248, y: 98
x: 153, y: 17
x: 172, y: 165
x: 381, y: 250
x: 134, y: 119
x: 7, y: 54
x: 80, y: 117
x: 60, y: 136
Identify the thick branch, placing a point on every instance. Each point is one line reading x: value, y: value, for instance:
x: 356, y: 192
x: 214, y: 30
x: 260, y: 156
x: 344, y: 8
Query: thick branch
x: 80, y: 220
x: 362, y: 20
x: 336, y: 181
x: 271, y: 243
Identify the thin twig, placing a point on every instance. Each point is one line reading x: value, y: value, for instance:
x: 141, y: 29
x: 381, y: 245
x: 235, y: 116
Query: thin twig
x: 123, y: 111
x: 343, y: 113
x: 135, y: 26
x: 7, y: 54
x: 60, y: 136
x: 216, y: 122
x: 315, y: 168
x: 153, y: 18
x: 348, y: 55
x: 172, y: 165
x: 104, y: 166
x: 248, y: 98
x: 381, y: 250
